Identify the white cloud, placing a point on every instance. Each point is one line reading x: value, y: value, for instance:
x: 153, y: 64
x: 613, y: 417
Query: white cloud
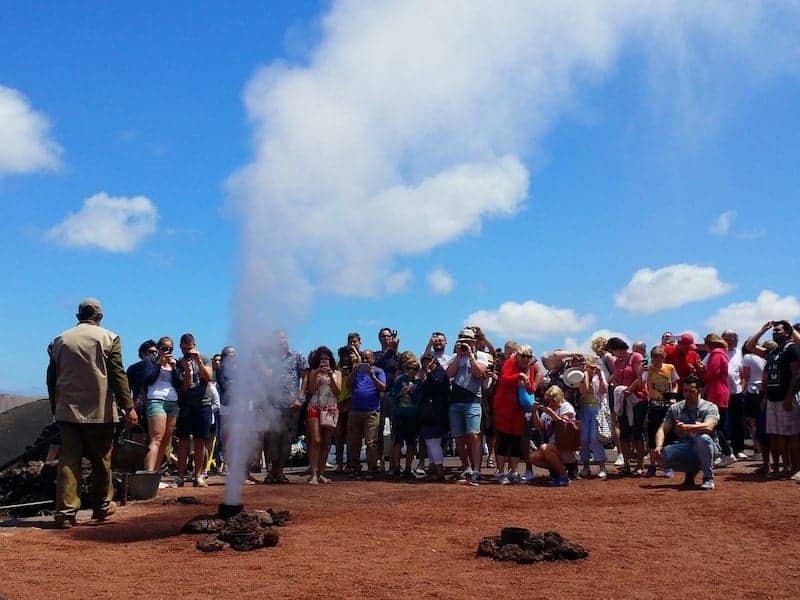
x: 398, y: 282
x: 440, y: 281
x: 747, y: 317
x: 113, y: 224
x: 650, y: 291
x: 25, y: 142
x: 529, y: 320
x: 585, y: 344
x: 722, y: 225
x: 408, y: 124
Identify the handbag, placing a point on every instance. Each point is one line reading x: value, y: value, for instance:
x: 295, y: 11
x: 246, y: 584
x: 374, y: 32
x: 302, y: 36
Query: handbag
x: 525, y: 399
x: 604, y: 425
x: 568, y: 435
x: 328, y: 416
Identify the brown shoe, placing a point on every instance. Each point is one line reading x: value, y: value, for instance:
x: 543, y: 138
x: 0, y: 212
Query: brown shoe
x: 101, y: 514
x: 64, y: 521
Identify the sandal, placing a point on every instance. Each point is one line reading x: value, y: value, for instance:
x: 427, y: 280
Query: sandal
x: 313, y: 481
x: 490, y: 464
x: 323, y: 479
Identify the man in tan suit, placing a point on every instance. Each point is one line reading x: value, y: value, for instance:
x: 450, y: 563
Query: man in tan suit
x: 85, y: 378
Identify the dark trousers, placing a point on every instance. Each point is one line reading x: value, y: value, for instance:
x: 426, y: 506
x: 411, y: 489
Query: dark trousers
x: 93, y: 441
x: 735, y: 427
x: 724, y: 446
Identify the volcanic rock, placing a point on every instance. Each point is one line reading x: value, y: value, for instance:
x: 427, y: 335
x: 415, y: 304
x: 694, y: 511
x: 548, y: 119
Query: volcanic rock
x: 204, y: 524
x: 279, y: 518
x: 547, y: 546
x: 211, y: 543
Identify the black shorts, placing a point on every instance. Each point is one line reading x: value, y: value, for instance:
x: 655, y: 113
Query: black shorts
x: 633, y: 432
x: 405, y: 428
x: 752, y: 405
x: 194, y: 421
x: 507, y: 444
x: 655, y: 417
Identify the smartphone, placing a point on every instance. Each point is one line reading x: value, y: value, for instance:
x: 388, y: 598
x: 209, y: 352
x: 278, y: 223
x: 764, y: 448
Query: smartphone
x: 364, y: 367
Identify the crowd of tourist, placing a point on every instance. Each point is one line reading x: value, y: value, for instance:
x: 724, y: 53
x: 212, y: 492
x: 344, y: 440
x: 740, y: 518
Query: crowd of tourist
x: 681, y: 406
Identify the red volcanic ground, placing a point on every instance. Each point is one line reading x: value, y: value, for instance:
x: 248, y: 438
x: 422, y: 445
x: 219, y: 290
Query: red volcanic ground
x: 646, y: 538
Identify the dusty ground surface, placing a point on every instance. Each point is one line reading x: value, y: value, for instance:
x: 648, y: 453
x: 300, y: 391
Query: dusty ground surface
x: 647, y: 539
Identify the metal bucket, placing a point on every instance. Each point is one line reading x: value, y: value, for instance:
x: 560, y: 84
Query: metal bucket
x: 143, y: 485
x: 127, y: 455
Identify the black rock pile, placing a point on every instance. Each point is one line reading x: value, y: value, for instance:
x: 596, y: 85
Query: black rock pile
x: 247, y: 530
x: 521, y: 546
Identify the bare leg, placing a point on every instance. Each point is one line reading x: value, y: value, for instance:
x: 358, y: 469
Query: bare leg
x: 314, y: 447
x: 157, y: 426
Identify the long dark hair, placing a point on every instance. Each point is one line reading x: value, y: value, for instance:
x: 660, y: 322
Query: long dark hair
x: 313, y: 360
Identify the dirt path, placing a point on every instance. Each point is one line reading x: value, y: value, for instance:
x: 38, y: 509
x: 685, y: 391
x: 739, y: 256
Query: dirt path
x: 646, y: 538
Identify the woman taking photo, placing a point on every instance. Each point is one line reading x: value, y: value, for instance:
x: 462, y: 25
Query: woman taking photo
x: 594, y: 394
x: 323, y: 384
x: 545, y: 416
x: 509, y: 419
x: 162, y: 402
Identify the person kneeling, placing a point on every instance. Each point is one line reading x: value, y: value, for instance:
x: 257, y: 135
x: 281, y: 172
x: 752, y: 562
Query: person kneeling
x: 693, y: 420
x: 548, y: 455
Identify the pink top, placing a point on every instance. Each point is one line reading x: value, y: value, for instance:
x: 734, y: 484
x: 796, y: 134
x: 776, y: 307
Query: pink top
x: 625, y: 373
x: 715, y: 378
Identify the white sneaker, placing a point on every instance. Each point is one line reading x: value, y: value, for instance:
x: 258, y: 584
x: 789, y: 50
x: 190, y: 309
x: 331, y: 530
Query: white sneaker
x: 528, y: 477
x: 741, y: 456
x: 718, y: 461
x: 620, y: 462
x: 707, y: 485
x: 795, y: 477
x: 505, y: 480
x: 602, y: 474
x: 726, y: 461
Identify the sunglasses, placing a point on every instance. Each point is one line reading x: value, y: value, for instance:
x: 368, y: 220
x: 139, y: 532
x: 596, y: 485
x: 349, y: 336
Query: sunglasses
x: 165, y: 348
x: 152, y: 351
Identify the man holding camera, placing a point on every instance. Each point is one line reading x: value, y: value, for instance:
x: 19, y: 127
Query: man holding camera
x: 781, y: 381
x: 467, y: 369
x: 388, y: 360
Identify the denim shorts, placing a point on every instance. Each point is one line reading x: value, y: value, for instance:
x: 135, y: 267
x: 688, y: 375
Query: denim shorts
x: 158, y: 408
x: 465, y: 417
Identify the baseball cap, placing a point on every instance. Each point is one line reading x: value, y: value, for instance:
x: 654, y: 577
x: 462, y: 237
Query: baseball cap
x: 90, y: 307
x: 687, y: 338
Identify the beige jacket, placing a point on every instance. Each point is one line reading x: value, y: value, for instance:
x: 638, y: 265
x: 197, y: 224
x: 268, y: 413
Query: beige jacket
x: 85, y: 375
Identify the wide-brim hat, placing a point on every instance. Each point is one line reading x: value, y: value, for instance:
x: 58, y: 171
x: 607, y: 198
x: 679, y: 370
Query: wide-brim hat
x: 573, y: 377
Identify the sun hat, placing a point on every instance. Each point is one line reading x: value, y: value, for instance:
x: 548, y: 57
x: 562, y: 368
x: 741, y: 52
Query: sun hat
x: 573, y: 376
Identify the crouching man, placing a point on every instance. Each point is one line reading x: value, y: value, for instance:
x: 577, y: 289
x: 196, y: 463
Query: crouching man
x: 693, y: 421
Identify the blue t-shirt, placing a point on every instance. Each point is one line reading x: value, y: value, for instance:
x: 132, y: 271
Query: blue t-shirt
x: 366, y: 397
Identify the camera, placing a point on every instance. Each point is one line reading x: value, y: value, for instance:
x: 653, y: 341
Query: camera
x: 394, y: 333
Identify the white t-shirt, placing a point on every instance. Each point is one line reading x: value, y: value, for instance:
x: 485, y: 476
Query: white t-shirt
x: 464, y: 377
x: 564, y: 409
x: 735, y: 371
x: 756, y: 365
x: 162, y: 388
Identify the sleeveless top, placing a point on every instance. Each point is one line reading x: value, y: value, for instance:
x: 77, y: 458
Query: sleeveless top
x: 324, y: 395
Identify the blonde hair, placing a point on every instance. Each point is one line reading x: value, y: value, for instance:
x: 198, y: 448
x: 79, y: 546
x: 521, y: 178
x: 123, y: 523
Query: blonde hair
x: 554, y: 393
x: 599, y: 345
x: 524, y: 350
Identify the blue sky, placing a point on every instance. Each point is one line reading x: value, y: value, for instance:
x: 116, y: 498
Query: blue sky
x: 416, y: 165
